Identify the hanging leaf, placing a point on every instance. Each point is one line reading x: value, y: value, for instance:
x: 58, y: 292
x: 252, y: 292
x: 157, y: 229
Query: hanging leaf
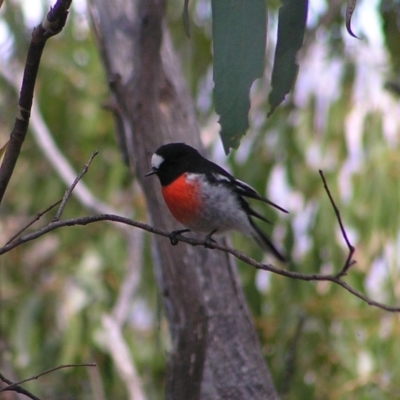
x: 239, y: 39
x: 351, y: 5
x: 291, y: 27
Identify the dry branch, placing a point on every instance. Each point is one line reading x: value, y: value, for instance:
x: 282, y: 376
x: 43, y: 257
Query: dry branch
x: 16, y: 386
x: 16, y: 241
x: 51, y: 25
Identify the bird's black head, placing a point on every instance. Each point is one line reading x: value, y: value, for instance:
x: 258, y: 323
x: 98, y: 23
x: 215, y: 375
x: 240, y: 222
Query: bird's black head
x: 172, y: 160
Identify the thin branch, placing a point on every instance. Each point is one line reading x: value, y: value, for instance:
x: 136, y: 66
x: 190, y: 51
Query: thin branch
x: 13, y: 386
x: 62, y: 202
x: 51, y: 25
x: 349, y: 260
x: 33, y: 220
x: 17, y: 388
x: 69, y: 191
x: 83, y: 221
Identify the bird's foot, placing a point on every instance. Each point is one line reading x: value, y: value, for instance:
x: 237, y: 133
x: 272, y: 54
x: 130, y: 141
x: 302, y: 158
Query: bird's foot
x: 173, y: 236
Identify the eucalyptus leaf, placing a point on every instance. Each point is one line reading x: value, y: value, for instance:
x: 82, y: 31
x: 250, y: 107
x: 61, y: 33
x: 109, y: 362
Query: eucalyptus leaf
x: 239, y: 38
x: 291, y: 27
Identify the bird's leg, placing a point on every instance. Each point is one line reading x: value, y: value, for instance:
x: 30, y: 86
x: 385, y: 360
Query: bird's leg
x: 208, y: 241
x: 173, y: 236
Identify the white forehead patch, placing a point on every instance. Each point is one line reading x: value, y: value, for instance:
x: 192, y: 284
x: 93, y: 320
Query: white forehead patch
x: 156, y: 161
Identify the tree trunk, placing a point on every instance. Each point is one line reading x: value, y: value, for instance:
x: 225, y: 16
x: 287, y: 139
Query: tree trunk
x: 216, y: 353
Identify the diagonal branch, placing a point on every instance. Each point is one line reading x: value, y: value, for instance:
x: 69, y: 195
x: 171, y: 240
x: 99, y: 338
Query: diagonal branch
x: 61, y: 202
x: 16, y: 386
x: 33, y: 220
x: 69, y: 191
x: 51, y: 25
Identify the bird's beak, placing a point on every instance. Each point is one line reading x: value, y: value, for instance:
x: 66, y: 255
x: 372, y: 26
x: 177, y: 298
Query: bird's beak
x: 152, y: 172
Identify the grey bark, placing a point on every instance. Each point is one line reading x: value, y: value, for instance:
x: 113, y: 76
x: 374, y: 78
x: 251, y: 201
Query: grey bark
x: 216, y: 353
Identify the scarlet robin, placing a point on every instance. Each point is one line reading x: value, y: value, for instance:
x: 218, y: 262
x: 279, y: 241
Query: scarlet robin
x: 204, y: 197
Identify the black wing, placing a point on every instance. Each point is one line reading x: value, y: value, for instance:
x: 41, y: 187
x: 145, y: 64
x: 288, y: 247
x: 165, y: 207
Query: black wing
x: 242, y: 188
x: 219, y: 174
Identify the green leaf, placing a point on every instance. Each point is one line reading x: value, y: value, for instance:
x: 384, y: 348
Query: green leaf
x: 239, y: 38
x: 291, y: 28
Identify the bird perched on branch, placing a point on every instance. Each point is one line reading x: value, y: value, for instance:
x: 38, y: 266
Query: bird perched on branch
x: 205, y: 198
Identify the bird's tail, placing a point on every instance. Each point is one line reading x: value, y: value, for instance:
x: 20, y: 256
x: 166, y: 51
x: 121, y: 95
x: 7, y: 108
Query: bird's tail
x: 264, y: 242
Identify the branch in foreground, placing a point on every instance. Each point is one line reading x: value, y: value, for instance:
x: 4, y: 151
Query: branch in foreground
x: 83, y: 221
x: 62, y: 202
x: 16, y: 386
x: 52, y: 25
x: 33, y: 220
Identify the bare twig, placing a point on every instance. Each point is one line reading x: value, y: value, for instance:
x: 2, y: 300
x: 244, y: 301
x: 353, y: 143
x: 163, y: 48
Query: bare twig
x: 83, y: 221
x: 52, y: 24
x: 33, y: 220
x: 349, y: 260
x: 15, y: 386
x: 69, y: 191
x: 62, y: 202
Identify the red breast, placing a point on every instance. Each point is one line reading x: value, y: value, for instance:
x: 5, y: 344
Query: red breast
x: 183, y: 199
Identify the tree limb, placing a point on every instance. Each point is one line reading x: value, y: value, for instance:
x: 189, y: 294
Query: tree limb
x: 51, y: 25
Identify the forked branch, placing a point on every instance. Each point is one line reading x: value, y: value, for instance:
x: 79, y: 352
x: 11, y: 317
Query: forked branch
x: 82, y: 221
x: 335, y: 278
x: 16, y: 386
x: 349, y: 260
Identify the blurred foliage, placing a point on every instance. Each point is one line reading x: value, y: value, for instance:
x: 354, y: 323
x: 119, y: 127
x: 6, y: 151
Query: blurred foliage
x: 320, y: 342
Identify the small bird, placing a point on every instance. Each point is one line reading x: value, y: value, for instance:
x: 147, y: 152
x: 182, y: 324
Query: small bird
x: 205, y: 198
